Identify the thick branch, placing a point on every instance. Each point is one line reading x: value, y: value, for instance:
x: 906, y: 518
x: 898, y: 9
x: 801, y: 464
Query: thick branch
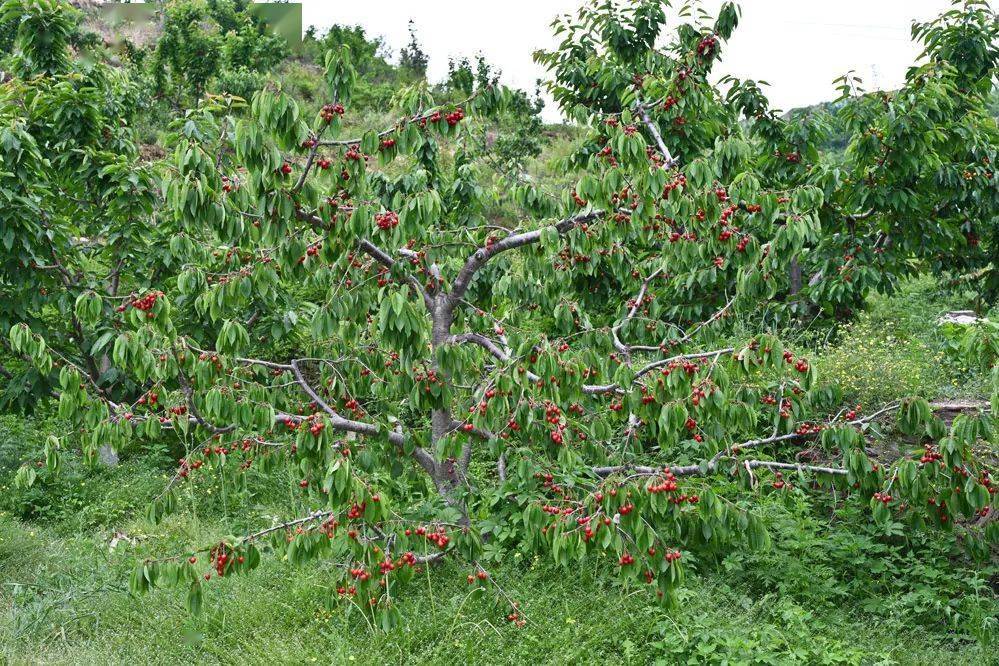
x: 382, y: 257
x: 511, y: 242
x: 670, y: 160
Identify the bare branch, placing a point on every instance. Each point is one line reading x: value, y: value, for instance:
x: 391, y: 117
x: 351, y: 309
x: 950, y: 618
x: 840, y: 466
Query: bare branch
x: 838, y: 471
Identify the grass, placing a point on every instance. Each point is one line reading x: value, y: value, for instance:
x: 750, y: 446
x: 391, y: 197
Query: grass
x: 83, y: 615
x: 894, y: 350
x: 830, y: 590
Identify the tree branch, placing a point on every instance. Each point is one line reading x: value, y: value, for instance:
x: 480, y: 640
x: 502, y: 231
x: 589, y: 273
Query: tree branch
x: 670, y: 160
x: 337, y: 421
x: 636, y: 306
x: 382, y: 257
x: 422, y: 115
x: 481, y: 256
x: 711, y: 466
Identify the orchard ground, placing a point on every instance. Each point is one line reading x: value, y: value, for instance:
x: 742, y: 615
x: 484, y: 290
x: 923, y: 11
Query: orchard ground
x: 830, y: 590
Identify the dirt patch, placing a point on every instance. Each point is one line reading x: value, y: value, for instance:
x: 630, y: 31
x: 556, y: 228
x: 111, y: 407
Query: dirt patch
x: 150, y: 152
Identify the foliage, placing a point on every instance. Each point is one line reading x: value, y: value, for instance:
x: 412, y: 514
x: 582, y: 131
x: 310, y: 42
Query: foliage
x: 201, y: 40
x: 42, y: 30
x: 895, y: 348
x: 917, y: 184
x: 745, y: 604
x: 369, y: 55
x: 516, y: 137
x: 76, y: 214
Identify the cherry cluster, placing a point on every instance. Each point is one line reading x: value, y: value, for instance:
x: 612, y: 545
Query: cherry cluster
x: 779, y: 482
x: 387, y: 220
x: 931, y: 455
x: 437, y: 537
x: 667, y: 483
x: 221, y: 557
x: 452, y: 118
x: 145, y: 304
x: 792, y: 157
x: 707, y: 46
x: 329, y: 111
x: 210, y: 358
x: 808, y: 429
x: 884, y: 498
x: 317, y: 427
x: 516, y: 619
x: 608, y: 154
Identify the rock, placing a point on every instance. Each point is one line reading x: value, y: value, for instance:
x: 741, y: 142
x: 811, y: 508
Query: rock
x: 960, y: 317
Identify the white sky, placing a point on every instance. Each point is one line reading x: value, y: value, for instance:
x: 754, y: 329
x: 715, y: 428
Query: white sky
x: 798, y: 46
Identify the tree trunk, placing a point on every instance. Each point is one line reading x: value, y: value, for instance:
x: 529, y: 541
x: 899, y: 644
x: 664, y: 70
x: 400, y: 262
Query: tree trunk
x: 447, y: 475
x: 795, y: 275
x: 107, y: 456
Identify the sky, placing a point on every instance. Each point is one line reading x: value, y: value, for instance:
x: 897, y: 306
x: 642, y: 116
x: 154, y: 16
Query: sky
x: 797, y: 46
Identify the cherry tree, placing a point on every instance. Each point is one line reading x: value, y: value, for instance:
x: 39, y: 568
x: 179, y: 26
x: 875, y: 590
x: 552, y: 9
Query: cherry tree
x: 563, y: 373
x: 77, y: 216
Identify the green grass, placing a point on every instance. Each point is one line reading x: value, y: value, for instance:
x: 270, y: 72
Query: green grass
x: 895, y: 349
x: 734, y: 610
x: 830, y: 590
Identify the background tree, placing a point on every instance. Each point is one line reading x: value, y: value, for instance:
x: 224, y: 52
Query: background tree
x: 202, y: 41
x: 412, y: 57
